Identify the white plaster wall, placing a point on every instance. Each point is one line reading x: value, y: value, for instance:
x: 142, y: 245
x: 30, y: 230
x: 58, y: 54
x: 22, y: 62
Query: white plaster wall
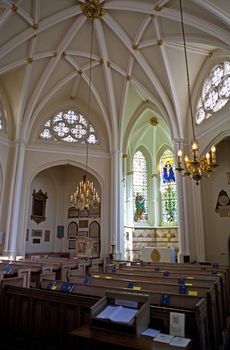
x: 63, y: 182
x: 47, y: 184
x: 216, y: 228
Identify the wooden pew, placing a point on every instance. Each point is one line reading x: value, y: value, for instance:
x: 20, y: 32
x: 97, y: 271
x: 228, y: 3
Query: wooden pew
x: 42, y: 317
x: 202, y: 275
x: 14, y: 281
x: 26, y: 275
x: 195, y: 309
x: 203, y: 270
x: 32, y: 270
x: 208, y: 292
x: 190, y: 277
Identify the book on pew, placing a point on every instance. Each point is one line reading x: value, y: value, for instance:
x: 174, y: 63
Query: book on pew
x: 52, y: 285
x: 177, y: 324
x: 151, y: 332
x: 119, y: 314
x: 67, y: 287
x: 180, y: 342
x: 163, y: 338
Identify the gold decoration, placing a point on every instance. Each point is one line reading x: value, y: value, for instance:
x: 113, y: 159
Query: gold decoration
x: 160, y: 42
x: 35, y: 26
x: 155, y: 255
x: 30, y: 60
x: 157, y: 8
x: 128, y: 77
x: 72, y: 97
x: 101, y: 61
x: 153, y: 175
x: 80, y: 72
x: 154, y: 121
x: 92, y: 9
x: 129, y: 173
x: 125, y: 155
x: 109, y: 64
x: 210, y: 54
x: 63, y: 54
x: 135, y: 47
x: 14, y: 8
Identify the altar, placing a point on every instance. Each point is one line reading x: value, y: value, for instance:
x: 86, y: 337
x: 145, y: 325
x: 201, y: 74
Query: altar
x: 158, y: 254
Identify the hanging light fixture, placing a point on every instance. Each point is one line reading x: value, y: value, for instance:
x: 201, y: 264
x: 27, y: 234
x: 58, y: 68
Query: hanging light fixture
x: 194, y: 166
x: 85, y: 195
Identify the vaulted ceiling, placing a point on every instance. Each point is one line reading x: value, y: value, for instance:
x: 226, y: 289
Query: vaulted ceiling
x: 137, y: 59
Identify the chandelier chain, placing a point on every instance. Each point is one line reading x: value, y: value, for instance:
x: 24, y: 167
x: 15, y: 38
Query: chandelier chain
x: 86, y: 196
x: 194, y: 166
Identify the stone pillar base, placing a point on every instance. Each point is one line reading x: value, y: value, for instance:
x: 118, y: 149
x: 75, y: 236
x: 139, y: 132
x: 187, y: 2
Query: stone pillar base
x: 183, y: 258
x: 10, y: 254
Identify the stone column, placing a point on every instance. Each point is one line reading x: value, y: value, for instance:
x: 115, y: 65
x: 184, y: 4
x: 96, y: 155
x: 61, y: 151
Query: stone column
x: 117, y: 205
x: 10, y: 248
x: 183, y: 212
x: 198, y: 223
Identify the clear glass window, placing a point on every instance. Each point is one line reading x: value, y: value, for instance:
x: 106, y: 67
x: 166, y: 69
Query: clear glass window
x: 69, y: 126
x: 215, y: 93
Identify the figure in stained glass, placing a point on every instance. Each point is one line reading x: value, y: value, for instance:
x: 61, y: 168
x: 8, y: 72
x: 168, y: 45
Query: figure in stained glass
x: 140, y: 206
x: 168, y: 173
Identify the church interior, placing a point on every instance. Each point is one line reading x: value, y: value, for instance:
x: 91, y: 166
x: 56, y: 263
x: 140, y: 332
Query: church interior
x: 115, y: 174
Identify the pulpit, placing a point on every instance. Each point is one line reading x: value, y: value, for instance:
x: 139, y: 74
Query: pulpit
x: 87, y: 247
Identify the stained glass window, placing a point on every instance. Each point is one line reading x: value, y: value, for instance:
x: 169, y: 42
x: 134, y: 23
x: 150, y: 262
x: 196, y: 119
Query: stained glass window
x: 168, y: 188
x: 140, y: 187
x: 69, y: 126
x: 215, y: 93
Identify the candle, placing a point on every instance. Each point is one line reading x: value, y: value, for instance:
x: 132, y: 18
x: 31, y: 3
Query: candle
x: 195, y: 150
x: 186, y: 160
x: 207, y: 158
x: 213, y: 154
x: 179, y: 154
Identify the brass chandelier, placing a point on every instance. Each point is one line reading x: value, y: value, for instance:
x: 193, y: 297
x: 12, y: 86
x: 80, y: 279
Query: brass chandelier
x: 86, y: 196
x: 194, y: 166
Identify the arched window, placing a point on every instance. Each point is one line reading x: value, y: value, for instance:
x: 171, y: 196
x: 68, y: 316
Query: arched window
x: 168, y: 188
x: 140, y: 187
x: 69, y: 126
x: 215, y: 92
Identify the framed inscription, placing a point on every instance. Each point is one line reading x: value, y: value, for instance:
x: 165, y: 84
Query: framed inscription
x: 72, y: 230
x: 73, y: 212
x: 47, y: 236
x: 39, y: 206
x: 83, y: 223
x: 94, y: 230
x: 83, y: 213
x: 37, y: 233
x: 60, y: 231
